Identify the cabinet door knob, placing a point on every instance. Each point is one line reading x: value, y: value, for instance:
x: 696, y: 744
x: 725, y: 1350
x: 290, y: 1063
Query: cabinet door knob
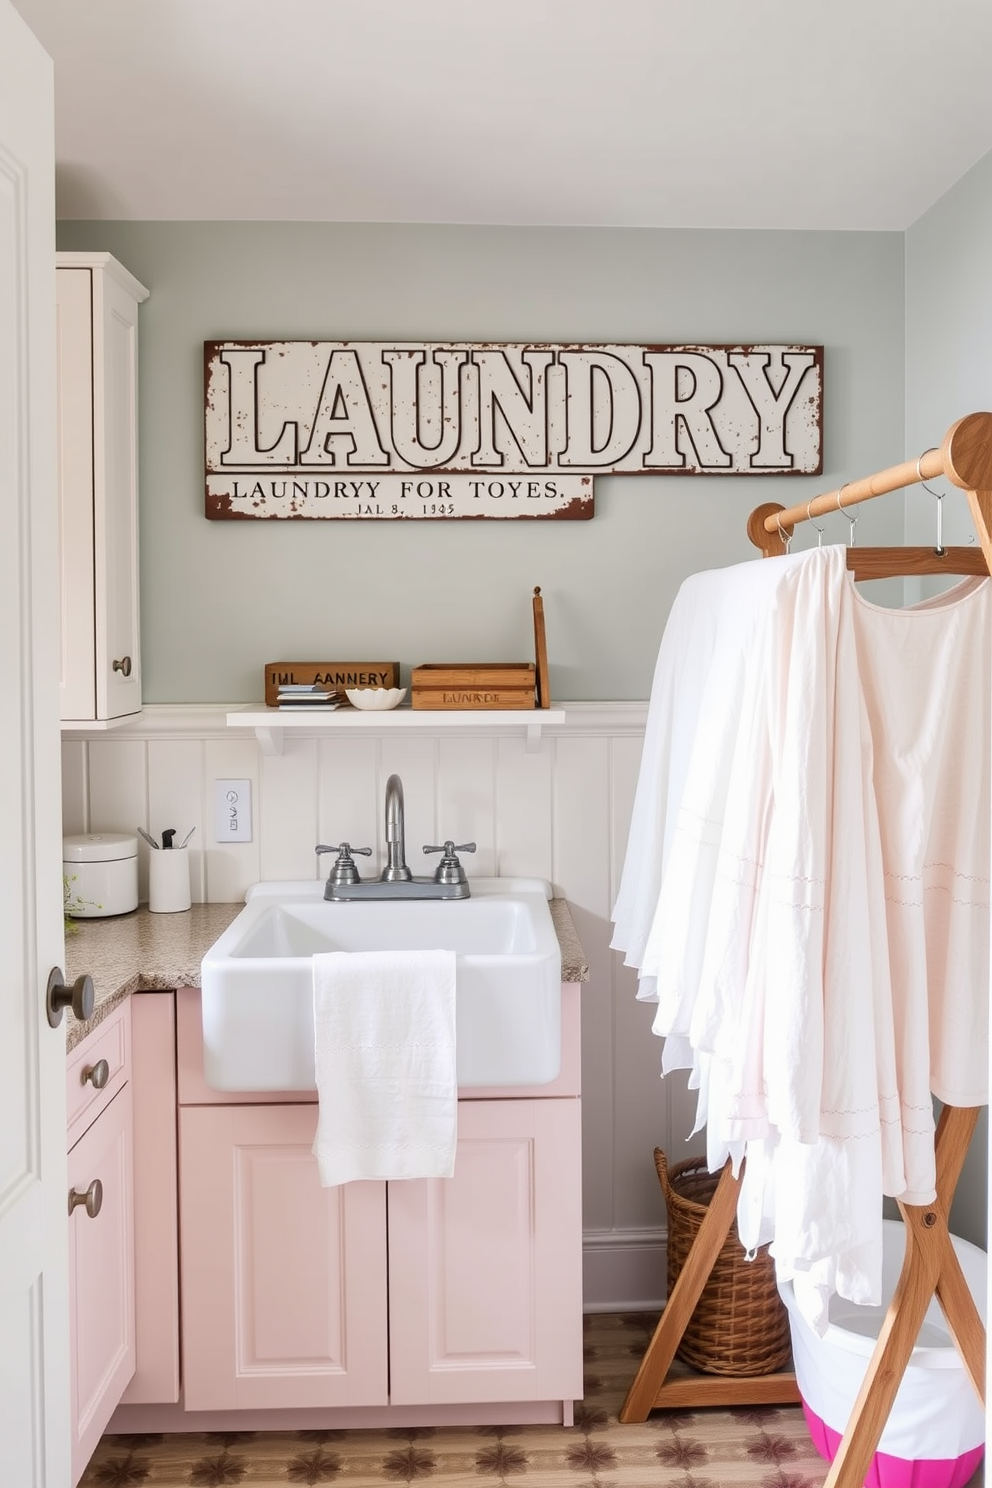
x: 80, y: 997
x: 92, y: 1199
x: 124, y: 666
x: 98, y: 1074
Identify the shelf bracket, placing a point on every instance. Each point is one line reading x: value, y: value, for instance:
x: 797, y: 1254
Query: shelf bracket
x: 270, y: 740
x: 533, y: 744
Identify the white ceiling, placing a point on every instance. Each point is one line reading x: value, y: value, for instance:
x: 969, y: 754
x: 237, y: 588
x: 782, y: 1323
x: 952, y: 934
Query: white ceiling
x: 854, y: 114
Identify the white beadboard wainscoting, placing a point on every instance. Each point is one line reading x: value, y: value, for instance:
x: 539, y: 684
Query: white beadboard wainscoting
x: 559, y: 812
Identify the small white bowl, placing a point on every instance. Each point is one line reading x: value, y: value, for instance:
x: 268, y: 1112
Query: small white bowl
x: 375, y: 699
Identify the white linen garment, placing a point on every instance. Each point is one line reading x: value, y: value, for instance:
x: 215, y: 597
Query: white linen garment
x: 384, y: 1046
x: 818, y: 944
x: 712, y: 629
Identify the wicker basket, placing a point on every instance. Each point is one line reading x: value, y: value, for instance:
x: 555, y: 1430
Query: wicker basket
x: 740, y: 1325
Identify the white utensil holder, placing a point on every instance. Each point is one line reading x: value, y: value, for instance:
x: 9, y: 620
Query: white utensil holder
x: 168, y: 880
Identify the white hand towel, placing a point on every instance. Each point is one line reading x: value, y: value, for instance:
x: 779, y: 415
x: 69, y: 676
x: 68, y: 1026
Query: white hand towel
x: 384, y: 1038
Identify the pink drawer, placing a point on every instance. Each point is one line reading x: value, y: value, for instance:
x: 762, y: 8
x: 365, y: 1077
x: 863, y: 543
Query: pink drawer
x: 109, y: 1041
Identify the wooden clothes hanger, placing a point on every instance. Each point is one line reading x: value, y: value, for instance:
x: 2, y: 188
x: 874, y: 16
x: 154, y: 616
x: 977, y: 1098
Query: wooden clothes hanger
x: 896, y: 563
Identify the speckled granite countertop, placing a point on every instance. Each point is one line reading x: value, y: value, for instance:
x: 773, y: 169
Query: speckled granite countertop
x: 145, y: 952
x: 574, y: 966
x: 140, y: 952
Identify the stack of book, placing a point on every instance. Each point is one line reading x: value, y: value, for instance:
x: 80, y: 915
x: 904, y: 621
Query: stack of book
x: 306, y: 695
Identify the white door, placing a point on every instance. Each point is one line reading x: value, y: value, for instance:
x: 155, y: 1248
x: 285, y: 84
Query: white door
x: 34, y: 1309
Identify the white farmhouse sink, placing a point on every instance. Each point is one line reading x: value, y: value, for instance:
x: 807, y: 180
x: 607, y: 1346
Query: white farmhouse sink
x: 257, y: 988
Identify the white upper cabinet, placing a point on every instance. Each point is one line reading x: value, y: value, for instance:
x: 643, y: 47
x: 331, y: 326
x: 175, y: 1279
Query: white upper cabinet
x: 97, y: 321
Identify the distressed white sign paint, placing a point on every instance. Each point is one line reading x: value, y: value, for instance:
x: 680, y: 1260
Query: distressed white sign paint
x: 397, y: 429
x: 261, y: 494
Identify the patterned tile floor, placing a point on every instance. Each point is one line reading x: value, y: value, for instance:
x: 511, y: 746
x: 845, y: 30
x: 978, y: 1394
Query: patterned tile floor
x: 766, y: 1448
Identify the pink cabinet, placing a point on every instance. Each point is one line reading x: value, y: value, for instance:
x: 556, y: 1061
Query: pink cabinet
x: 283, y: 1282
x: 429, y: 1297
x: 430, y: 1301
x: 101, y: 1247
x: 156, y: 1200
x: 485, y: 1287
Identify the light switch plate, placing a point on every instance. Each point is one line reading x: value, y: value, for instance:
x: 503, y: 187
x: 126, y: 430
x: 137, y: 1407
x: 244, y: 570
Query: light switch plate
x: 232, y: 810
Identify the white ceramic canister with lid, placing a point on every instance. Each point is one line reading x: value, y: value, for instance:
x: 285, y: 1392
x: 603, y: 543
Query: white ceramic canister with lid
x: 102, y: 873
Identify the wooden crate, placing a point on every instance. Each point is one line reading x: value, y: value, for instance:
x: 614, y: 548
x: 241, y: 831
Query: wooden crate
x: 335, y: 675
x: 481, y: 685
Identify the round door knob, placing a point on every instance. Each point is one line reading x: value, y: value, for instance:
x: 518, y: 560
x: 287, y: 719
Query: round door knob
x: 91, y: 1200
x: 98, y: 1074
x: 80, y: 997
x: 123, y: 666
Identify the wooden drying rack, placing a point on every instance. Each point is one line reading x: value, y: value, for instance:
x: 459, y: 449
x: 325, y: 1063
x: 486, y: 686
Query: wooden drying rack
x: 930, y: 1267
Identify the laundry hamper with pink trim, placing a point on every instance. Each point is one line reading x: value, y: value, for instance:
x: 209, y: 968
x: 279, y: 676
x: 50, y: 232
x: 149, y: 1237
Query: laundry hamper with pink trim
x: 936, y: 1429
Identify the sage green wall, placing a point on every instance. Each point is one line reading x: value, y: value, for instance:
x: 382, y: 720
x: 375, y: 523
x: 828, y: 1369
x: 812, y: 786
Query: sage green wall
x: 219, y: 599
x: 948, y: 331
x: 949, y: 374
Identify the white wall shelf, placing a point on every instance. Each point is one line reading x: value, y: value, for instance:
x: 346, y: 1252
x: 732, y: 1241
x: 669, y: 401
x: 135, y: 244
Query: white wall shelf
x: 272, y: 724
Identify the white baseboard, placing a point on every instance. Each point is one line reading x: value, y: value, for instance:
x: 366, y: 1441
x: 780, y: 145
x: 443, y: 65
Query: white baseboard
x: 624, y: 1270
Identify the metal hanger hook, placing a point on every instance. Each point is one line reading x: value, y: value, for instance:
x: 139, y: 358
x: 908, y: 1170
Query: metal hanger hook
x: 853, y: 521
x: 819, y: 530
x: 786, y: 540
x: 938, y: 496
x: 919, y: 472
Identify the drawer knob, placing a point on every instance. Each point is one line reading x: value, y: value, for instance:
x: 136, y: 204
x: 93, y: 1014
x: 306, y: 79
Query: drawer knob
x: 98, y: 1074
x: 80, y: 997
x: 91, y: 1200
x: 123, y: 666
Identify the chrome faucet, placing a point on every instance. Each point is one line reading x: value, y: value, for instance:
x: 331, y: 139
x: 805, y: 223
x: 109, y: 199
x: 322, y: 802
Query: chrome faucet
x: 396, y: 881
x: 395, y: 870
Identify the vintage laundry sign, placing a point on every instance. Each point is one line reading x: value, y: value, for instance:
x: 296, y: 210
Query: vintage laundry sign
x: 397, y: 429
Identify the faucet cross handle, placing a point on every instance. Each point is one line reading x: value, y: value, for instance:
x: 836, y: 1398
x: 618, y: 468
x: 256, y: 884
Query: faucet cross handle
x: 449, y: 870
x: 345, y: 870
